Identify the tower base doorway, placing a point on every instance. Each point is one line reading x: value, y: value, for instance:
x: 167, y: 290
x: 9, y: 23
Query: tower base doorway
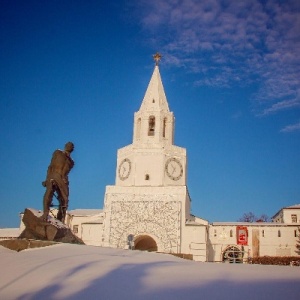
x: 145, y: 243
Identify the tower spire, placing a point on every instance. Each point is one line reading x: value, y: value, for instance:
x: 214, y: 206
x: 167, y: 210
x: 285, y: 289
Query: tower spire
x: 155, y: 97
x: 154, y: 123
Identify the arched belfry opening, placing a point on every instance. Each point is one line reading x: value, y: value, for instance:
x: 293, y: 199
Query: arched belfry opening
x: 151, y: 128
x: 145, y: 243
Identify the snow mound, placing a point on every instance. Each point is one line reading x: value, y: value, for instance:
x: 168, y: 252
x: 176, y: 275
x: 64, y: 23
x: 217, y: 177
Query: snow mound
x: 67, y: 271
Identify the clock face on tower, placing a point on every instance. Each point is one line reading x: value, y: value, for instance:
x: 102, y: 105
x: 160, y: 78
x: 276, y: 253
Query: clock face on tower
x: 124, y: 169
x: 174, y: 168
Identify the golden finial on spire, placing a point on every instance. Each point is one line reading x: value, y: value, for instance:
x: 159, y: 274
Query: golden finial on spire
x: 157, y: 58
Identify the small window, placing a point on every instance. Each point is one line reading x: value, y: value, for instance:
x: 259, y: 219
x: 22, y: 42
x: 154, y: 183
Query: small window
x: 279, y: 233
x: 153, y: 101
x: 75, y: 228
x: 294, y: 218
x: 231, y: 233
x: 295, y: 233
x: 215, y: 232
x: 263, y: 233
x: 147, y: 177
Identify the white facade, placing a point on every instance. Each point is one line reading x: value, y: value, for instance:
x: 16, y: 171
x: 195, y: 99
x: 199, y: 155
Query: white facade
x: 87, y: 224
x: 262, y: 239
x: 215, y: 242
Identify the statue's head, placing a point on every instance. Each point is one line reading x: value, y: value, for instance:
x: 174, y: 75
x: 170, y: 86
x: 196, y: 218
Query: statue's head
x: 69, y: 146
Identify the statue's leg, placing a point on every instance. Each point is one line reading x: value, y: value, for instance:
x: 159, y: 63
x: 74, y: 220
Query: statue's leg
x: 63, y: 203
x: 63, y: 206
x: 62, y: 211
x: 60, y: 200
x: 47, y: 199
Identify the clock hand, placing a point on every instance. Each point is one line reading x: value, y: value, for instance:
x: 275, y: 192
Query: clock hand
x: 174, y: 168
x: 124, y: 170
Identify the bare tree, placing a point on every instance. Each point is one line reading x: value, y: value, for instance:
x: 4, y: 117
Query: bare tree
x: 247, y: 217
x: 250, y: 217
x: 263, y: 218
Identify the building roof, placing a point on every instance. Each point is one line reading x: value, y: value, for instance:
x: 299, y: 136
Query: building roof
x: 85, y: 212
x: 295, y: 206
x: 9, y: 232
x: 256, y: 224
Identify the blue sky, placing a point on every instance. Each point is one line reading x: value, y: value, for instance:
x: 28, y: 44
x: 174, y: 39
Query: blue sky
x: 78, y: 70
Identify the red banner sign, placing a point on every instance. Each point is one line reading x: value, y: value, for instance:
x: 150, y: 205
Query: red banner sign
x: 242, y: 235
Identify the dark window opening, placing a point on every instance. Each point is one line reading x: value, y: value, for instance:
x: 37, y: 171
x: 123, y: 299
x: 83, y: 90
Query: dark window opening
x: 164, y: 127
x: 151, y: 130
x: 75, y: 228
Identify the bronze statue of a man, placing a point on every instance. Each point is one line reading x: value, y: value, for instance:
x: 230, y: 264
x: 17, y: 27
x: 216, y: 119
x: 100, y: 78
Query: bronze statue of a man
x: 57, y: 181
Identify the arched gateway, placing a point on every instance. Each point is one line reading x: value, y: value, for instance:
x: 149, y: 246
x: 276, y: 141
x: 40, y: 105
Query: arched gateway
x: 232, y: 254
x: 145, y: 243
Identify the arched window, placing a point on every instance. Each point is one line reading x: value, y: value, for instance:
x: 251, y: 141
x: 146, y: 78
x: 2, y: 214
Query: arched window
x: 279, y: 233
x: 164, y: 127
x: 151, y: 129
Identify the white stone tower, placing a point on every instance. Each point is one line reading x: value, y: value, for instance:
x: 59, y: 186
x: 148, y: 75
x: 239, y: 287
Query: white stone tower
x: 149, y: 202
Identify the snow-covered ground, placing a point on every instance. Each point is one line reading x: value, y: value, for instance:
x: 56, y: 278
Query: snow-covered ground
x: 68, y: 271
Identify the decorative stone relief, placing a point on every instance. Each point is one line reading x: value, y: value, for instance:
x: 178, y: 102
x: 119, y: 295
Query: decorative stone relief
x: 223, y: 235
x: 137, y: 215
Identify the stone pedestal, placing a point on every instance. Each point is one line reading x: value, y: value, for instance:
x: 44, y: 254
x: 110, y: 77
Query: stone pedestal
x: 22, y: 244
x: 50, y: 230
